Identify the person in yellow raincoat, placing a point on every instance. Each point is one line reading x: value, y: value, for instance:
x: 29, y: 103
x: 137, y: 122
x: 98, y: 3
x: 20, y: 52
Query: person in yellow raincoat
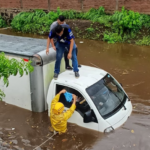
x: 59, y: 118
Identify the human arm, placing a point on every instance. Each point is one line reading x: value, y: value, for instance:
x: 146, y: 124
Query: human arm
x: 48, y: 43
x: 70, y: 111
x: 71, y: 48
x: 49, y: 40
x: 52, y: 42
x: 56, y: 98
x: 51, y: 27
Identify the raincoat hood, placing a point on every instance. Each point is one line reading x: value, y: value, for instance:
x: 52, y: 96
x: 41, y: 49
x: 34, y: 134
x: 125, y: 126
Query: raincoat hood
x: 58, y: 108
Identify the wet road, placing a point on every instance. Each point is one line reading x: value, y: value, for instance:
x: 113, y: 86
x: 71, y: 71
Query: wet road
x: 130, y: 65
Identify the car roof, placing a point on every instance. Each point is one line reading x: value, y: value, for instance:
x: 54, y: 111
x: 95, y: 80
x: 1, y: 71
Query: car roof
x: 88, y: 76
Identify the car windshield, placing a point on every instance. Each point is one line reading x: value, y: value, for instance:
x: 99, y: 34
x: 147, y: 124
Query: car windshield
x: 107, y: 96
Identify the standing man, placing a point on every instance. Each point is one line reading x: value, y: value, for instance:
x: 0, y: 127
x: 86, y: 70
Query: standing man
x: 65, y: 39
x: 61, y: 21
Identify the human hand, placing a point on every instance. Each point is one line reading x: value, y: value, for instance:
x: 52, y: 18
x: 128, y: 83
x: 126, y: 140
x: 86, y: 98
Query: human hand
x: 69, y: 56
x: 74, y: 97
x: 47, y: 51
x: 54, y: 48
x: 63, y: 91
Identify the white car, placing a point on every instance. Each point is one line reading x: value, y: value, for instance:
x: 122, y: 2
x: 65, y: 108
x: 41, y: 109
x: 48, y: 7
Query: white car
x: 103, y: 106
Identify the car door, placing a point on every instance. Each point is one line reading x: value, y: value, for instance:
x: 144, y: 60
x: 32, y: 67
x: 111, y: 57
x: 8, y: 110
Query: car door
x: 81, y: 108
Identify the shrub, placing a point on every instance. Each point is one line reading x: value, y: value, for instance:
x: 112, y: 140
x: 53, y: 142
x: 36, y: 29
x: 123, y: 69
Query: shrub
x: 93, y: 14
x: 124, y: 24
x: 90, y: 30
x: 126, y: 20
x: 2, y: 22
x: 111, y: 37
x: 144, y: 41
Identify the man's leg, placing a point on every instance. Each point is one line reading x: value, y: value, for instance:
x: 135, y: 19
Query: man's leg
x: 76, y: 51
x: 75, y: 61
x: 77, y: 54
x: 66, y: 59
x: 59, y: 53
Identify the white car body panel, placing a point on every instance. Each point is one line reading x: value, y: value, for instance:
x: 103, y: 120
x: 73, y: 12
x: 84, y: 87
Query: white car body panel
x: 88, y: 76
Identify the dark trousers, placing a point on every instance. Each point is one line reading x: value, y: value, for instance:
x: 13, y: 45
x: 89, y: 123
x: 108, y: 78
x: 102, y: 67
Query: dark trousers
x: 66, y: 59
x: 60, y: 50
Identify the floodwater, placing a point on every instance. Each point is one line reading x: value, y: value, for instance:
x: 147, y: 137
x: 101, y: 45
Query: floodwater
x: 130, y: 65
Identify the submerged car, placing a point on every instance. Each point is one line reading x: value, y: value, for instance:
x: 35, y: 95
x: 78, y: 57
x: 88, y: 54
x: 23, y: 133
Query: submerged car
x: 103, y: 104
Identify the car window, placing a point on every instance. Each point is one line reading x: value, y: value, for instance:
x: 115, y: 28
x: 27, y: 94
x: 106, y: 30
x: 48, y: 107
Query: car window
x: 107, y: 96
x: 81, y: 106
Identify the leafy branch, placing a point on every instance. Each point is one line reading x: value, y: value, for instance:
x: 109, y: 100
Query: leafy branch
x: 12, y: 67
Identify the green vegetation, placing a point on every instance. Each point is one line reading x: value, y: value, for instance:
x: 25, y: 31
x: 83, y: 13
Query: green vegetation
x: 111, y: 37
x: 76, y: 29
x: 90, y: 30
x: 144, y: 41
x: 12, y: 67
x: 126, y: 21
x: 2, y: 22
x: 122, y: 26
x: 93, y: 14
x: 38, y: 21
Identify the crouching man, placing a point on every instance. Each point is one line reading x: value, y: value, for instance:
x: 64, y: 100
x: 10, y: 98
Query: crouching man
x: 65, y: 39
x: 59, y: 118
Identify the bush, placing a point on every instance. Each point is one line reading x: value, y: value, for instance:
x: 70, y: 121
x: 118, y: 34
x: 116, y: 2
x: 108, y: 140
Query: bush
x: 146, y: 21
x: 2, y: 22
x: 12, y: 67
x: 93, y: 14
x: 123, y: 24
x: 105, y: 20
x: 126, y: 21
x: 144, y: 41
x: 90, y: 30
x: 111, y: 37
x: 33, y: 22
x: 39, y: 22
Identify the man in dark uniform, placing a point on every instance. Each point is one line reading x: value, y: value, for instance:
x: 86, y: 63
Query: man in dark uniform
x: 65, y: 40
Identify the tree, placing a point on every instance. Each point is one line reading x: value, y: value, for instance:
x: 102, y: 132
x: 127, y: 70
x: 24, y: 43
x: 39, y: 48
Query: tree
x: 12, y: 67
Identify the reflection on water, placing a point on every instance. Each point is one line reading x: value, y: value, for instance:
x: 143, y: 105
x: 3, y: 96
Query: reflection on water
x: 129, y: 64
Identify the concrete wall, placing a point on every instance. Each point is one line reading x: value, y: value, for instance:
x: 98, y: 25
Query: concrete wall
x: 8, y: 8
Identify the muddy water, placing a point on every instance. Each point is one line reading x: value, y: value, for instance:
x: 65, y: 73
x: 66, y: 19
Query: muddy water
x: 130, y: 65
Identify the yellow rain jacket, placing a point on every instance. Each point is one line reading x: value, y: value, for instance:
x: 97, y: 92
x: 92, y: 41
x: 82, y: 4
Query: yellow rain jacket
x: 59, y: 121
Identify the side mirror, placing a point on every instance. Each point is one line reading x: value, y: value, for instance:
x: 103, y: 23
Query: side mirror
x: 88, y: 116
x: 121, y: 84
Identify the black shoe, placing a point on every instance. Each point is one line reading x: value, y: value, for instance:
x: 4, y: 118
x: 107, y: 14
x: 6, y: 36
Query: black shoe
x: 68, y: 68
x: 55, y: 76
x: 79, y: 66
x: 77, y: 75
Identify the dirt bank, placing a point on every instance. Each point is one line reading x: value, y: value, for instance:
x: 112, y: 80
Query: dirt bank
x: 86, y: 29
